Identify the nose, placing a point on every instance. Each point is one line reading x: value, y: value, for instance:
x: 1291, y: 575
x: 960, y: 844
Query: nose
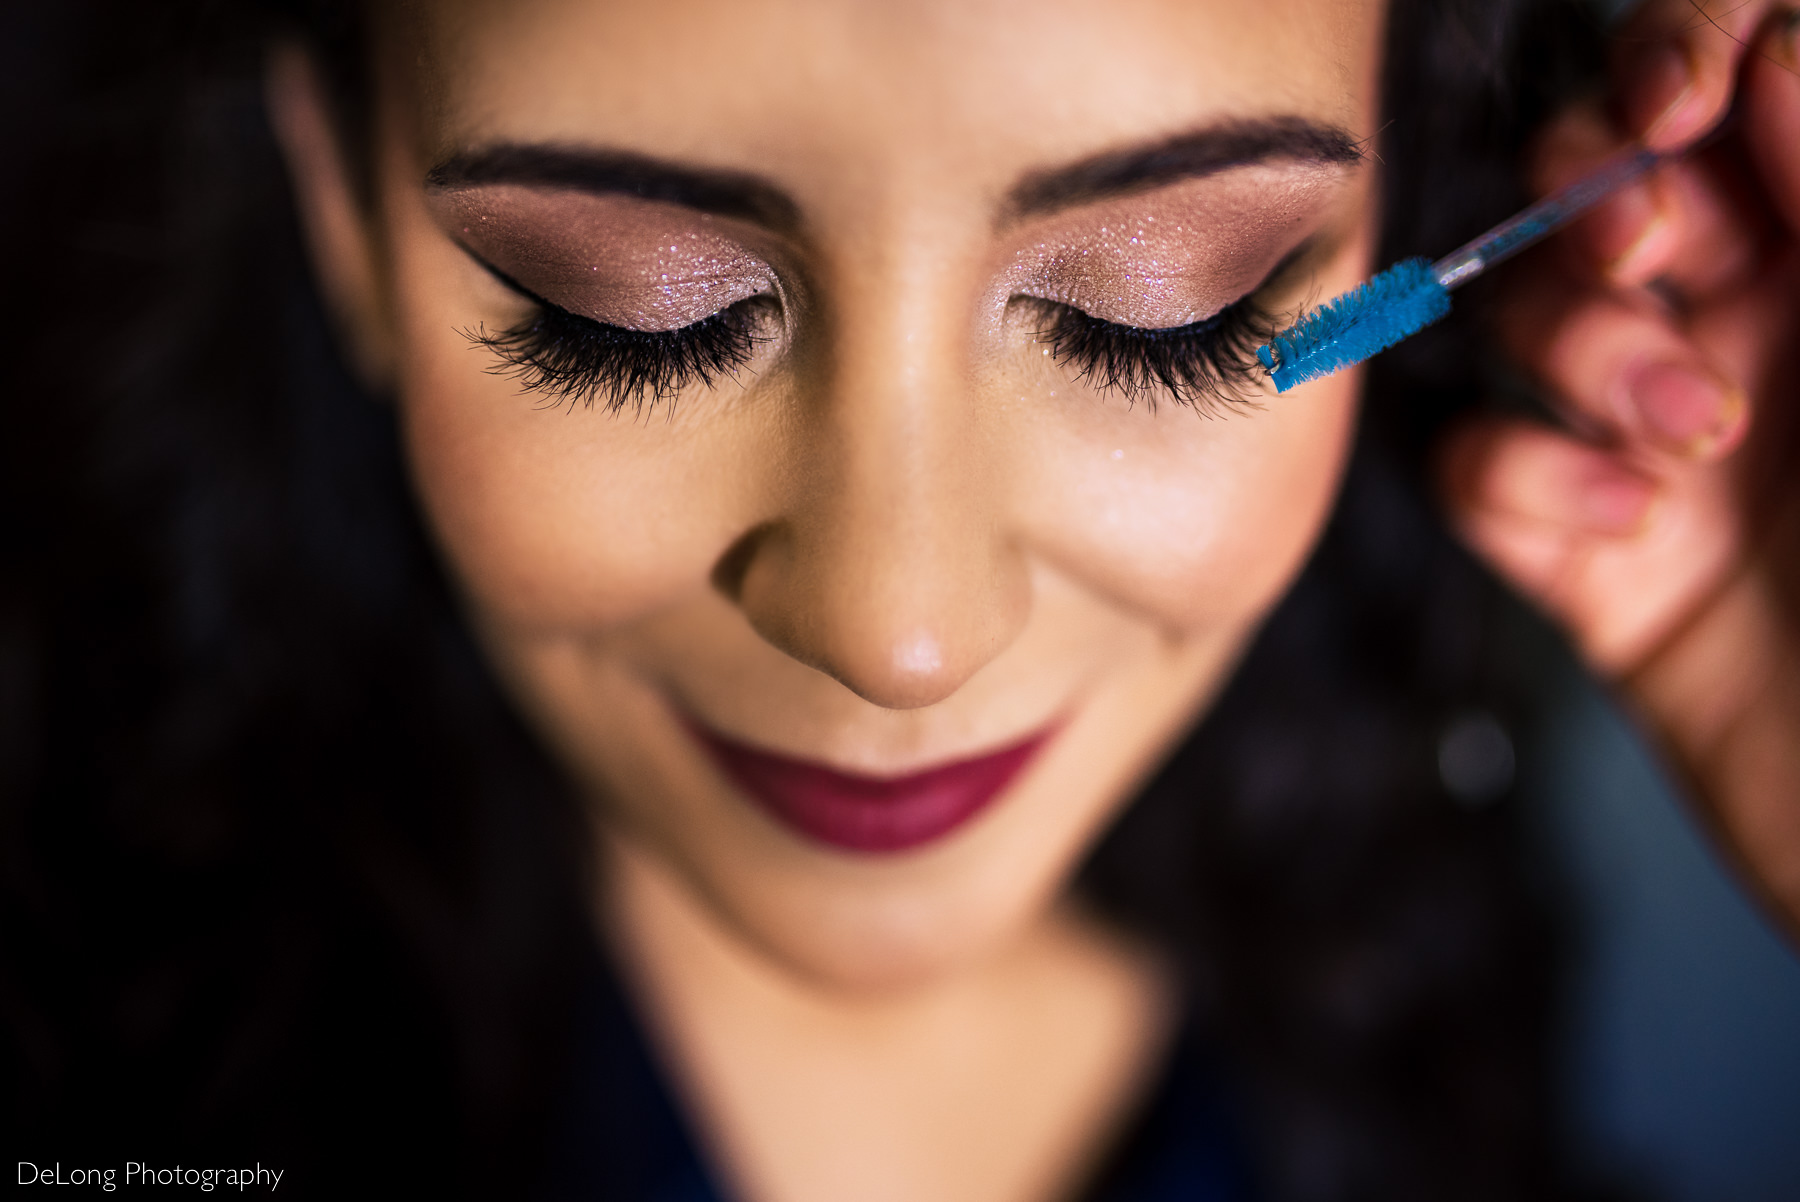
x: 891, y: 567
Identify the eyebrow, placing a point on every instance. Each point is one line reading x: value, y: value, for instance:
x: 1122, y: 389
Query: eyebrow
x: 1190, y: 155
x: 604, y: 172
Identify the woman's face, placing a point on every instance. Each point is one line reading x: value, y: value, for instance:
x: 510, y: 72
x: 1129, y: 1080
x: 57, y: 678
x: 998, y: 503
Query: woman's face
x: 864, y: 603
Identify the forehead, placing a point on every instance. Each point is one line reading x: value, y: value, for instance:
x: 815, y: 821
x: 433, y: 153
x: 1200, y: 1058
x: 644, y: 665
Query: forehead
x: 949, y: 87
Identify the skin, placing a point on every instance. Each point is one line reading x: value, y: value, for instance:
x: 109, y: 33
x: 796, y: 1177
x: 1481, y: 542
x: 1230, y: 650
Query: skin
x: 903, y: 534
x: 1665, y: 535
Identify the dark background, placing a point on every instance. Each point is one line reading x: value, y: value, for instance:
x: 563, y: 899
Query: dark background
x: 1678, y: 1019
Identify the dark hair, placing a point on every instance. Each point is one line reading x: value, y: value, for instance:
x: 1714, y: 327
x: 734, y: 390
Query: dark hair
x: 1368, y: 941
x: 280, y: 870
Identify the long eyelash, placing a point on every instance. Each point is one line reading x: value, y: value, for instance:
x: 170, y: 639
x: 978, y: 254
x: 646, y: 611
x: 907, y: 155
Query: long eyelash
x: 574, y: 359
x: 1202, y: 365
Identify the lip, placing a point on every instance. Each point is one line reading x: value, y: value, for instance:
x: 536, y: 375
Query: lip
x: 871, y: 814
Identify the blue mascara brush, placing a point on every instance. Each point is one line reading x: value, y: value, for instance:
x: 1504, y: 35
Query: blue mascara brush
x: 1412, y: 294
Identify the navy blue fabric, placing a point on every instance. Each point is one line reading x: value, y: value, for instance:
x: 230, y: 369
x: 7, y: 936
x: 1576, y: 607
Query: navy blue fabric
x: 620, y: 1137
x: 623, y: 1139
x: 1184, y: 1145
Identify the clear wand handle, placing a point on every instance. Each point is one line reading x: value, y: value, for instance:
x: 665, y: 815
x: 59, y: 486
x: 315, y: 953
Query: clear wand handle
x: 1543, y: 218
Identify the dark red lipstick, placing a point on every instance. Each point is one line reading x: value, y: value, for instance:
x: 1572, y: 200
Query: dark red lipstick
x: 870, y: 813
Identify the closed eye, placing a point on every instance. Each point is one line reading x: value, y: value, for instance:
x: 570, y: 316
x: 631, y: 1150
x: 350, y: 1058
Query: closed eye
x: 571, y: 359
x: 1202, y: 364
x: 1205, y: 364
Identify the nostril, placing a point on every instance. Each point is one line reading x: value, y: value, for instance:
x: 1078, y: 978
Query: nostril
x: 900, y: 619
x: 729, y: 572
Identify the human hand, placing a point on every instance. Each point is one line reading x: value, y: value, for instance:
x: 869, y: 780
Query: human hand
x: 1661, y: 527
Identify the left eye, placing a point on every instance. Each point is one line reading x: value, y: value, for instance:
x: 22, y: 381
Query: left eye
x: 1202, y: 364
x: 574, y: 359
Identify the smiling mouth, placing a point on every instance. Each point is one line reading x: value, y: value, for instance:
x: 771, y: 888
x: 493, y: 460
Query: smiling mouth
x: 876, y: 814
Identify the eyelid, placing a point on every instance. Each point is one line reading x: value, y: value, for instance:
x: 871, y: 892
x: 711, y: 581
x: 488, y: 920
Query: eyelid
x: 521, y: 290
x: 620, y: 261
x: 1276, y: 274
x: 1207, y: 364
x: 1170, y: 256
x: 507, y: 281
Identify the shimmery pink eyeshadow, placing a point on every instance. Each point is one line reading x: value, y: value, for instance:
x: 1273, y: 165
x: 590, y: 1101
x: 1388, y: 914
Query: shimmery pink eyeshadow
x: 619, y: 260
x: 1175, y: 255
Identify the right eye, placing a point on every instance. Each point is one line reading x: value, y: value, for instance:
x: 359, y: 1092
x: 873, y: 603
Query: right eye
x: 576, y: 360
x: 1203, y: 365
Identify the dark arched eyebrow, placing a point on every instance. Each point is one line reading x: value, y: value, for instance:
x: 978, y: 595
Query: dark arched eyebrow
x: 603, y: 172
x: 740, y: 194
x: 1200, y: 152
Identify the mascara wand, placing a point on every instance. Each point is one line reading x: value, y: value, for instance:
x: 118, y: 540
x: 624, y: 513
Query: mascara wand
x: 1413, y: 293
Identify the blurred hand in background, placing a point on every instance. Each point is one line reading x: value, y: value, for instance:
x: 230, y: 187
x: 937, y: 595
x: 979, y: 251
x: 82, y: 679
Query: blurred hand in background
x: 1660, y: 523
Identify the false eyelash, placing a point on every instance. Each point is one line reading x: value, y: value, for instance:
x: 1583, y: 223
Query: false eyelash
x: 575, y: 359
x: 1202, y: 365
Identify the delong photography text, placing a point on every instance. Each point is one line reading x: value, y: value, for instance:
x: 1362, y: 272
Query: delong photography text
x: 137, y: 1172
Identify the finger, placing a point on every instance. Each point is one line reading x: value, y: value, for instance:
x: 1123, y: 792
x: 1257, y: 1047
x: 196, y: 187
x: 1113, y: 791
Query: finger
x: 1535, y: 504
x: 1528, y: 499
x: 1772, y: 114
x: 1676, y: 66
x: 1537, y: 476
x: 1539, y: 561
x: 1689, y: 225
x: 1633, y: 225
x: 1621, y: 371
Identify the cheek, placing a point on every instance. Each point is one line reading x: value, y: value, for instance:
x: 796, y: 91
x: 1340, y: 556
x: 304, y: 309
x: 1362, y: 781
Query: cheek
x: 1196, y: 522
x: 556, y: 516
x: 1192, y: 521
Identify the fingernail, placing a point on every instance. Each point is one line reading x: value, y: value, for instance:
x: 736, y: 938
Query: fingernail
x: 1613, y: 502
x: 1659, y: 94
x: 1683, y: 409
x: 1636, y: 222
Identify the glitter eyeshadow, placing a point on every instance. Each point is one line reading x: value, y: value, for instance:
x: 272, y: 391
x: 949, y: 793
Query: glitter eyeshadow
x: 641, y: 264
x: 1174, y: 255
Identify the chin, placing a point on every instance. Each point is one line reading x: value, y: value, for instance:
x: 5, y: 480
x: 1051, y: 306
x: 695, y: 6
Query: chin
x: 868, y: 923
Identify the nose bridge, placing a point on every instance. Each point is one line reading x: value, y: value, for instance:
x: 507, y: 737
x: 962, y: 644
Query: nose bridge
x: 898, y: 430
x: 892, y: 569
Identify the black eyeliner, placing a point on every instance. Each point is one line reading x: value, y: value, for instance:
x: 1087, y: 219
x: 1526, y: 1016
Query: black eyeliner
x: 569, y: 357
